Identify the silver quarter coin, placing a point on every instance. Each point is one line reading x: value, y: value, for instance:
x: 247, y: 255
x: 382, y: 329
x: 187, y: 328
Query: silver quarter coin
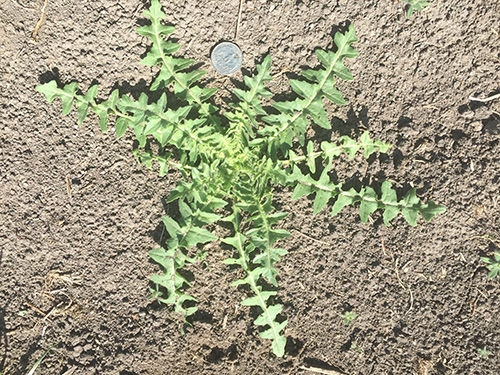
x: 226, y: 58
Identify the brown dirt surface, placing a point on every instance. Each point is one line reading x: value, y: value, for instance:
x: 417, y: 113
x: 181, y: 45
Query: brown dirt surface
x: 78, y: 214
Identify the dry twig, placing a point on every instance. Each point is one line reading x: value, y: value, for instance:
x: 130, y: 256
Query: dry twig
x: 35, y: 308
x: 484, y: 100
x: 68, y: 186
x: 312, y: 239
x: 239, y: 20
x: 321, y: 371
x: 39, y: 23
x: 283, y: 71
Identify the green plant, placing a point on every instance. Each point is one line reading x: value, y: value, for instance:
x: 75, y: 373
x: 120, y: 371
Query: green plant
x: 231, y: 162
x: 39, y: 361
x: 348, y: 317
x: 5, y: 370
x: 415, y: 5
x: 493, y: 264
x: 355, y: 347
x: 483, y: 352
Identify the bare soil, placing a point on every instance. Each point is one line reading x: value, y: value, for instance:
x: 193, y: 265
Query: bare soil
x: 78, y: 214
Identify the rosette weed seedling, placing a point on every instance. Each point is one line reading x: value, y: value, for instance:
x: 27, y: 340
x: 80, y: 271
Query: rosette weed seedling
x: 348, y: 317
x: 415, y: 5
x: 232, y: 160
x: 493, y: 264
x: 483, y: 352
